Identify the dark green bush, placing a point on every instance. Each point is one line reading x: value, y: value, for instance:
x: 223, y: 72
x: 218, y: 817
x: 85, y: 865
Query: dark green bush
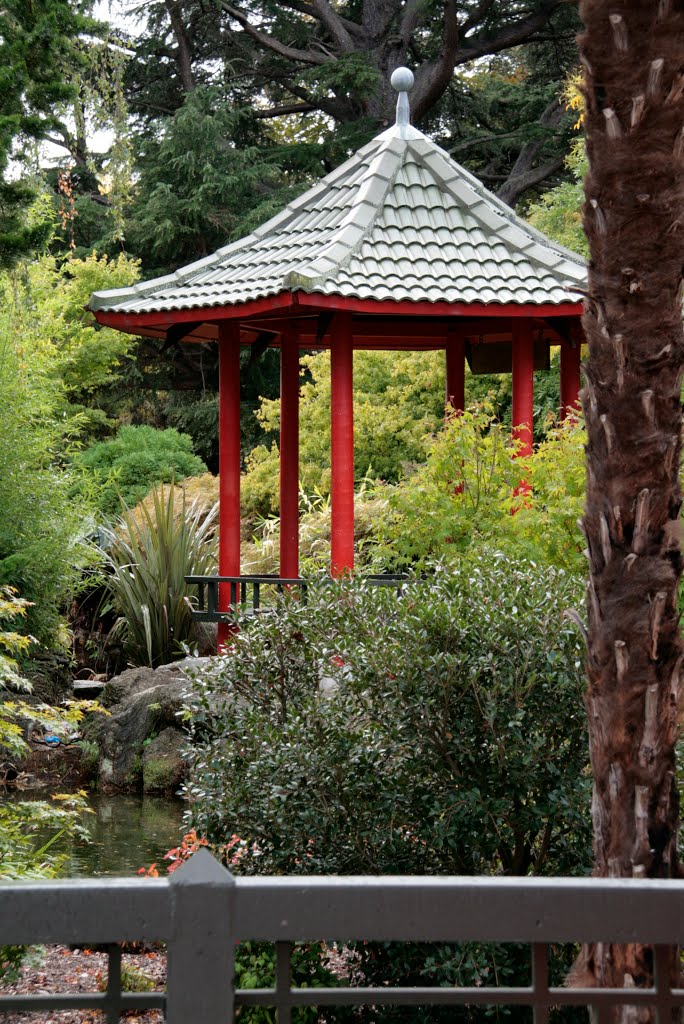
x: 128, y: 465
x: 255, y: 967
x: 454, y: 743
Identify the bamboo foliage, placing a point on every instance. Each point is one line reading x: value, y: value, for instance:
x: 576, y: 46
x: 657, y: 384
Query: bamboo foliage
x: 149, y: 555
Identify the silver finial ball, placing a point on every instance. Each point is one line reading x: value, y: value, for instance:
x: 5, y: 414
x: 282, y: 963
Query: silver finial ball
x: 402, y: 79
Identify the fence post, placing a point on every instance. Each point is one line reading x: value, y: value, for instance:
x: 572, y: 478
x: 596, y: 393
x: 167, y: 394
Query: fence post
x: 199, y: 983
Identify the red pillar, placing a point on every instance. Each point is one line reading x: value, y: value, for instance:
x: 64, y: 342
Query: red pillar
x: 570, y: 356
x: 229, y: 465
x: 523, y: 384
x: 289, y: 454
x: 342, y: 445
x: 455, y: 372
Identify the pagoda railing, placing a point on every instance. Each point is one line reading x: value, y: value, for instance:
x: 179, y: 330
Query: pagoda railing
x: 245, y: 594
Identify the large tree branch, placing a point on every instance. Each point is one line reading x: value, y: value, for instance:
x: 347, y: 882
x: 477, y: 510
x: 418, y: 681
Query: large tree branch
x: 284, y: 109
x: 478, y: 14
x: 524, y: 173
x: 519, y: 32
x: 333, y: 24
x: 379, y: 20
x: 183, y: 55
x: 515, y: 186
x: 433, y: 79
x: 519, y: 178
x: 269, y: 43
x: 483, y: 140
x: 410, y: 19
x: 304, y: 7
x: 335, y: 108
x: 74, y: 146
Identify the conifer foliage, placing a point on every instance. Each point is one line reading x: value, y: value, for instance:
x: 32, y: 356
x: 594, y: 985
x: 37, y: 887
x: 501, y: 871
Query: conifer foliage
x: 37, y: 45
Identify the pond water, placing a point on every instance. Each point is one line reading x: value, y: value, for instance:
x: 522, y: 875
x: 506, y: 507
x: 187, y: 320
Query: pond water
x: 126, y: 833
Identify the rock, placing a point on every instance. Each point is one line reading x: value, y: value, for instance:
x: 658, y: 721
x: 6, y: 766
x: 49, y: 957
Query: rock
x: 87, y: 689
x: 163, y: 768
x: 143, y: 705
x: 50, y: 676
x: 136, y: 680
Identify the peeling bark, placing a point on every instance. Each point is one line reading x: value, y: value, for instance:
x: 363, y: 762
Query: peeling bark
x: 633, y: 53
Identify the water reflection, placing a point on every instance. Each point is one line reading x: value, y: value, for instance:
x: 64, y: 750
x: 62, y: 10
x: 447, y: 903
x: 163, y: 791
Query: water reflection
x: 126, y: 833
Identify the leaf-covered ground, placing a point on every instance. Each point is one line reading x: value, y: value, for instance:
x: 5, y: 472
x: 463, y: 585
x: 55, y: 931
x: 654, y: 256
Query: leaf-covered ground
x: 60, y: 969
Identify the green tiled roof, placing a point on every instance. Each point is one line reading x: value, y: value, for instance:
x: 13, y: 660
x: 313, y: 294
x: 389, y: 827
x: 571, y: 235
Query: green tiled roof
x: 399, y: 221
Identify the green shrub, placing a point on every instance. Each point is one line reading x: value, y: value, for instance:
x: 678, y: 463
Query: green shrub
x: 52, y: 358
x: 41, y: 545
x: 21, y: 823
x: 150, y: 552
x: 453, y: 744
x: 255, y: 967
x: 464, y: 495
x: 126, y: 467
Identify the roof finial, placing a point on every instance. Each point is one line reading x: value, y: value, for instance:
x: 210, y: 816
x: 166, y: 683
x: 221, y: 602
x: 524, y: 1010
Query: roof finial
x: 402, y: 80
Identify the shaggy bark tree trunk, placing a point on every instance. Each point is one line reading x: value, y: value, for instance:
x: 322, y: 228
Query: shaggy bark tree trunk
x: 633, y: 56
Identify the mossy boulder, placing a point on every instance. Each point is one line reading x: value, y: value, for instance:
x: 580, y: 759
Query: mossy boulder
x: 163, y: 768
x: 141, y: 737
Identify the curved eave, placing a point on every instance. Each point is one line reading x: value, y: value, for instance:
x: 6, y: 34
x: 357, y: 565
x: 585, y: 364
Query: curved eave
x: 292, y: 304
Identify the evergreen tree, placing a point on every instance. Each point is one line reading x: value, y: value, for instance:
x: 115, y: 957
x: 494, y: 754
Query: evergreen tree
x: 37, y: 45
x: 316, y: 76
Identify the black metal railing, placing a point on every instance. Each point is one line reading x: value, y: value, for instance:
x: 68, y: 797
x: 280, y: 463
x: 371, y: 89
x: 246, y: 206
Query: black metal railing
x: 245, y: 593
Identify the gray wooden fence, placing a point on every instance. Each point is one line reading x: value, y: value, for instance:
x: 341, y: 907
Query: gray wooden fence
x: 202, y: 911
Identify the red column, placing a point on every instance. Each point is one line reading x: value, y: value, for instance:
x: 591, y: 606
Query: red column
x: 570, y: 356
x: 289, y: 454
x: 342, y: 445
x: 455, y: 372
x: 229, y: 465
x: 523, y: 384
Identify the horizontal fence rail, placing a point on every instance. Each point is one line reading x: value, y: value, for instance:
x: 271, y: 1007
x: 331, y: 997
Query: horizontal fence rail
x: 243, y: 594
x: 202, y: 911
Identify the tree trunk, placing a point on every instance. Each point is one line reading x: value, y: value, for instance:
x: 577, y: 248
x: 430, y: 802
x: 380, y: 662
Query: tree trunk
x: 633, y: 55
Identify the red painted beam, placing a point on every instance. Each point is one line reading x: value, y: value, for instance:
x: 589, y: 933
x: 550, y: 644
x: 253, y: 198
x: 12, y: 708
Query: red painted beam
x: 229, y: 466
x: 342, y: 446
x: 296, y: 301
x: 122, y: 321
x: 289, y: 454
x: 410, y: 309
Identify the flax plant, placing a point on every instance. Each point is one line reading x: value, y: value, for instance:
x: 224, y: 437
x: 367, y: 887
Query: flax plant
x: 150, y: 553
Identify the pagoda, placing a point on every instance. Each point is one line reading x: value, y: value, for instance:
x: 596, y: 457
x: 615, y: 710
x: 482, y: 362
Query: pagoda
x: 399, y: 248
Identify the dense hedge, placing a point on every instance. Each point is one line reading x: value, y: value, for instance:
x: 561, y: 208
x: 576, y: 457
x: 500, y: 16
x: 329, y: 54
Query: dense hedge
x: 454, y: 742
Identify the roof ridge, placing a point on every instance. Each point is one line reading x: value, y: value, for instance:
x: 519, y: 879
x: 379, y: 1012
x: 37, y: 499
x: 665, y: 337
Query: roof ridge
x: 360, y: 218
x: 528, y: 240
x: 147, y: 289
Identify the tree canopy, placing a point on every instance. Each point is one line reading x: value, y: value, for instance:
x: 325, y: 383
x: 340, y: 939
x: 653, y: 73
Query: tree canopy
x: 39, y: 51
